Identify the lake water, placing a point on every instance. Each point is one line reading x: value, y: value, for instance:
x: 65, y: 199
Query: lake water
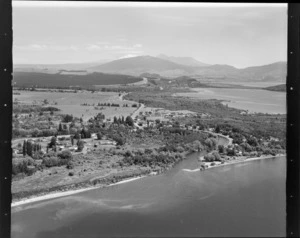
x: 246, y: 199
x: 254, y: 100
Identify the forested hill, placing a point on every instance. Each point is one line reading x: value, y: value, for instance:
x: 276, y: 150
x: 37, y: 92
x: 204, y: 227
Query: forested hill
x: 278, y: 88
x: 30, y: 79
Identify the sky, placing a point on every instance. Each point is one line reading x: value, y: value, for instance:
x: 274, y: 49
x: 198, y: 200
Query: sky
x: 240, y: 35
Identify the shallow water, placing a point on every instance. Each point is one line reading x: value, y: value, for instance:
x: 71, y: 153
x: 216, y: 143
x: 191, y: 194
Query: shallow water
x: 236, y: 200
x: 253, y: 100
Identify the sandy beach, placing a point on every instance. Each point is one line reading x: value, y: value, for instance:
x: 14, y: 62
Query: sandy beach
x: 236, y: 162
x: 67, y: 193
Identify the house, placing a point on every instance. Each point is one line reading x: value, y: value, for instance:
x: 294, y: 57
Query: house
x: 273, y: 139
x: 107, y: 142
x: 94, y: 136
x: 65, y: 125
x: 73, y: 148
x: 60, y: 148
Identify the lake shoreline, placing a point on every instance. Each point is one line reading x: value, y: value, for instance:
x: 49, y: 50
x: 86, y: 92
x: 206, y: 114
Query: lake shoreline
x: 238, y: 161
x: 70, y: 192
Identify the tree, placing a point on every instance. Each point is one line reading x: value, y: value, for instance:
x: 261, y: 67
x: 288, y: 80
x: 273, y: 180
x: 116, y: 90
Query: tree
x: 209, y: 157
x: 246, y: 147
x: 118, y: 139
x: 217, y: 129
x: 52, y: 143
x: 252, y: 141
x: 231, y: 152
x: 29, y: 148
x: 24, y: 148
x: 60, y: 127
x: 115, y: 119
x: 85, y: 133
x: 99, y: 135
x: 216, y: 155
x: 197, y: 145
x: 221, y: 148
x: 73, y: 130
x: 129, y: 121
x: 80, y: 145
x: 68, y: 118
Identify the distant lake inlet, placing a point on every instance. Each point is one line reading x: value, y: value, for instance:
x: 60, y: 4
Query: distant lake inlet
x: 253, y: 100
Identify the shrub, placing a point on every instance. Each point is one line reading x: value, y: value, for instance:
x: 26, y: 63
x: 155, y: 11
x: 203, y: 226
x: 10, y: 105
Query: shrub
x: 209, y: 157
x: 70, y: 165
x: 68, y: 118
x: 120, y: 140
x: 246, y: 147
x: 99, y: 135
x: 216, y: 155
x: 128, y: 153
x: 66, y: 154
x: 31, y: 170
x: 180, y: 149
x: 51, y: 161
x: 148, y: 151
x: 71, y: 173
x: 39, y: 155
x: 231, y: 152
x: 23, y: 165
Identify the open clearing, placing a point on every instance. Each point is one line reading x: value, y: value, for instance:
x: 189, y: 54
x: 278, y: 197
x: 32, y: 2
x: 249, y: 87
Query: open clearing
x: 71, y: 103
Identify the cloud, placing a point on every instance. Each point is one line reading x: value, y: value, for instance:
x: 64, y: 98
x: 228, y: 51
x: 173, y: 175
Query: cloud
x: 138, y: 45
x: 31, y: 47
x: 114, y: 48
x: 94, y: 47
x: 128, y: 56
x: 44, y: 47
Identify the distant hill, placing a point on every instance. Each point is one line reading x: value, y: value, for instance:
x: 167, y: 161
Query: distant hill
x: 271, y: 72
x: 187, y: 61
x: 150, y: 76
x: 155, y: 68
x: 278, y: 88
x: 55, y: 67
x: 30, y: 79
x: 143, y: 64
x: 165, y: 68
x: 218, y: 71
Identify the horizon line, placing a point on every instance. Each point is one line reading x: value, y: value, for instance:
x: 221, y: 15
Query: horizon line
x: 93, y: 62
x: 75, y: 4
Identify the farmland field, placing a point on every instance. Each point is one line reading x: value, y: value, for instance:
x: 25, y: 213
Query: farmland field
x: 71, y: 103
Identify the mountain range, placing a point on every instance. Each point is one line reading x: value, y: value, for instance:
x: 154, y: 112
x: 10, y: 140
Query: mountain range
x: 171, y: 67
x: 186, y: 66
x: 187, y: 61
